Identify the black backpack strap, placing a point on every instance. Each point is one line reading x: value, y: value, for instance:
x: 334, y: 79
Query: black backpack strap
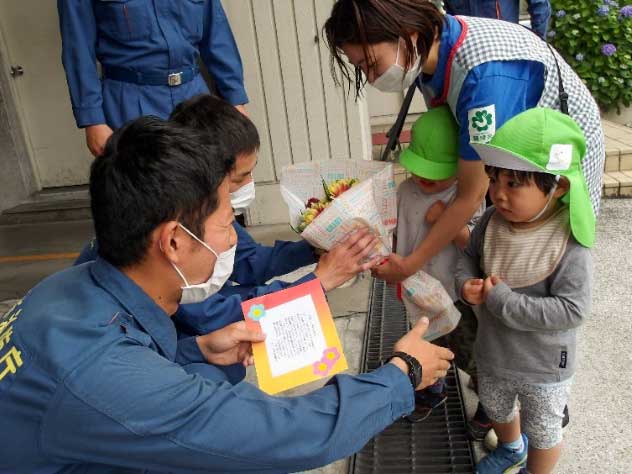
x: 395, y: 131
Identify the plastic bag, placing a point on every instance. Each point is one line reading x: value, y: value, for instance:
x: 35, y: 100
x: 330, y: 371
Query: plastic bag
x: 424, y: 295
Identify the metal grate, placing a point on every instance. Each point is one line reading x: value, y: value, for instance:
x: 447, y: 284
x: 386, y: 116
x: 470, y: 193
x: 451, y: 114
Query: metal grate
x: 437, y: 445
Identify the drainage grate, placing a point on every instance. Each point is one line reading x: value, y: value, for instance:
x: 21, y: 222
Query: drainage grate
x: 437, y: 445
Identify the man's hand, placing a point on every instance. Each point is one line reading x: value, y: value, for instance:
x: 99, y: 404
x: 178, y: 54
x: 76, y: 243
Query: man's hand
x: 229, y: 345
x: 393, y: 270
x: 342, y: 262
x: 434, y: 360
x: 472, y: 291
x: 96, y: 136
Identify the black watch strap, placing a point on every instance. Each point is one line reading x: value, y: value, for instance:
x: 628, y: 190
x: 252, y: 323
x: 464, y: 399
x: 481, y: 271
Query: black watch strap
x: 414, y: 368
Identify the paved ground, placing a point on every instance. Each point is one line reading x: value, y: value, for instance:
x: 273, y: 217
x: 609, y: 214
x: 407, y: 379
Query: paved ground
x: 599, y: 438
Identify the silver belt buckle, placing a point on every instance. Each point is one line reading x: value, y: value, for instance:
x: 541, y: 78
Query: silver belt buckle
x: 174, y: 79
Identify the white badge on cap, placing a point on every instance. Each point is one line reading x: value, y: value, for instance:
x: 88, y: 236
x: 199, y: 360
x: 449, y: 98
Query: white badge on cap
x: 560, y: 156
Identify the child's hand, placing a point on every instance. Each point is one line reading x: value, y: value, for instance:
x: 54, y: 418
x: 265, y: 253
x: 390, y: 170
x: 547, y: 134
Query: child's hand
x: 435, y: 211
x: 473, y: 291
x: 489, y: 283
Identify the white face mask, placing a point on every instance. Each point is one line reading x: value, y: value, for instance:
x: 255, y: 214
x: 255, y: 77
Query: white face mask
x: 222, y: 271
x: 243, y: 197
x: 396, y: 78
x: 548, y: 201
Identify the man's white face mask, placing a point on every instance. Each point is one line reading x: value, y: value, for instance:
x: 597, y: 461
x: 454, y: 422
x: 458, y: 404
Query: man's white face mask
x: 243, y: 197
x: 396, y: 78
x: 222, y: 271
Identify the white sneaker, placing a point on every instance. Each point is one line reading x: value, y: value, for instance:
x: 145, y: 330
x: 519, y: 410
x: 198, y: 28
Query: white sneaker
x: 491, y: 440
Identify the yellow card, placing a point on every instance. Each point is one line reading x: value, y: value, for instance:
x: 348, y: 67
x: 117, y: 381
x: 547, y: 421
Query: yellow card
x: 302, y: 343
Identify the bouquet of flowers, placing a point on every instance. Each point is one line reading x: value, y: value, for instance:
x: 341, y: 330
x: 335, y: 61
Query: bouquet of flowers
x: 315, y: 206
x: 327, y: 200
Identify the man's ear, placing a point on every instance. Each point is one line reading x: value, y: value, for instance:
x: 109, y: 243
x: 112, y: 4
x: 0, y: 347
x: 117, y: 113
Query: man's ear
x: 563, y: 186
x: 169, y: 240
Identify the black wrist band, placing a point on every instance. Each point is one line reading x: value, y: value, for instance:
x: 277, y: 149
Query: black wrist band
x: 415, y: 370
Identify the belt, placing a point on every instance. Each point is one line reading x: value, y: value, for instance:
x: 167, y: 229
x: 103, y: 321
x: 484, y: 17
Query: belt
x: 151, y: 78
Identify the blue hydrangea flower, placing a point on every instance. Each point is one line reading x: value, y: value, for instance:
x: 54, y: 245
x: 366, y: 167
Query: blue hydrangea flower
x: 560, y: 14
x: 603, y: 10
x: 626, y: 12
x: 579, y: 57
x: 611, y: 3
x: 608, y: 49
x: 551, y: 34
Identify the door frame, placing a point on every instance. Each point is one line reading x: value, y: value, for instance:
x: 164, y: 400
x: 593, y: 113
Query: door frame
x: 18, y: 181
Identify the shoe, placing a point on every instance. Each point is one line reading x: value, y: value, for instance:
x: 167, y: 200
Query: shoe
x: 477, y: 430
x: 425, y: 402
x: 491, y: 441
x: 504, y: 460
x: 479, y: 425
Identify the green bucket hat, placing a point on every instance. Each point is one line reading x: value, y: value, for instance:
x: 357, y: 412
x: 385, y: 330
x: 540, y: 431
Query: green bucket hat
x: 433, y: 151
x: 546, y: 141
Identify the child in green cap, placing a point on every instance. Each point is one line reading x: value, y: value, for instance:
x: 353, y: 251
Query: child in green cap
x: 432, y: 159
x: 528, y: 268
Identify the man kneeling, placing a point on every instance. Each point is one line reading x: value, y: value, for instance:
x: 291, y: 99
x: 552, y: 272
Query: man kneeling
x: 93, y: 375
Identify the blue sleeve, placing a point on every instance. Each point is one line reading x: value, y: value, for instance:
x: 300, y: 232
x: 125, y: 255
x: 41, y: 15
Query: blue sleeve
x: 220, y: 54
x: 502, y: 89
x: 255, y: 263
x: 79, y: 36
x: 188, y: 351
x: 224, y: 308
x: 540, y: 13
x: 131, y: 406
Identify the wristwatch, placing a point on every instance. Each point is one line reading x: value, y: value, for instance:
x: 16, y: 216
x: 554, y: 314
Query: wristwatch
x: 414, y: 367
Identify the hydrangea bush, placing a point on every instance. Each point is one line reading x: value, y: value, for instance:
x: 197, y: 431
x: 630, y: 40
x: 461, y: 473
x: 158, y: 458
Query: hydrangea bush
x: 595, y: 37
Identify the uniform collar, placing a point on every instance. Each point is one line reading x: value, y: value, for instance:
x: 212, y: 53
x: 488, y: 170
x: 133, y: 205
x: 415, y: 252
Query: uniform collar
x: 449, y: 36
x: 138, y: 304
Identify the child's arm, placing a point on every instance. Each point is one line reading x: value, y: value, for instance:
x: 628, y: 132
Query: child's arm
x: 467, y: 280
x: 565, y: 308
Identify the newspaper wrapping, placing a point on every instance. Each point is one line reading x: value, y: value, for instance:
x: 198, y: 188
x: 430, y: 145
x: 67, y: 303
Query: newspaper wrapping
x: 371, y: 202
x: 424, y: 295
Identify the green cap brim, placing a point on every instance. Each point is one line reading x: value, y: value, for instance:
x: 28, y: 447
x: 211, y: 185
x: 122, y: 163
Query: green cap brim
x: 420, y: 166
x: 580, y: 208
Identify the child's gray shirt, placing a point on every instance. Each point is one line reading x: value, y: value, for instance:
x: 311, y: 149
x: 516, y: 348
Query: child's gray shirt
x: 529, y: 334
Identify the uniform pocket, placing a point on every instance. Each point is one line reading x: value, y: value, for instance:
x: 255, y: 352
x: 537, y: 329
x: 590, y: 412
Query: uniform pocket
x: 192, y: 19
x: 123, y: 20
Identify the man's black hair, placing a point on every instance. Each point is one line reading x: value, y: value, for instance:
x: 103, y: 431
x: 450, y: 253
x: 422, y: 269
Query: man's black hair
x: 150, y: 172
x: 544, y: 181
x: 215, y: 116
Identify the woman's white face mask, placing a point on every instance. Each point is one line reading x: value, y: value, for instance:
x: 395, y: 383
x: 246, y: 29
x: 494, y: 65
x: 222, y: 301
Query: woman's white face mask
x: 221, y: 272
x: 396, y: 78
